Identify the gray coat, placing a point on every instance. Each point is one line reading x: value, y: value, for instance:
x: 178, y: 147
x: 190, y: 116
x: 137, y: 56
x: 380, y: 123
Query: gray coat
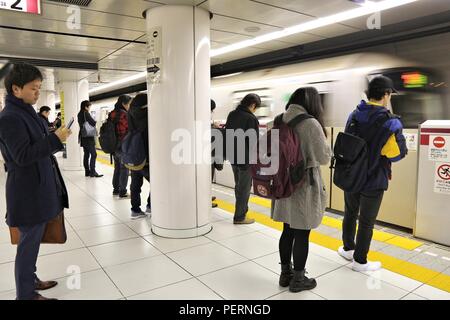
x: 304, y: 209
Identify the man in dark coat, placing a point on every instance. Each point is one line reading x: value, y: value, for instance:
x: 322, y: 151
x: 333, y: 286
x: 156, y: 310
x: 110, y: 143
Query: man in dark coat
x: 242, y: 119
x: 44, y: 113
x: 35, y: 190
x: 138, y: 121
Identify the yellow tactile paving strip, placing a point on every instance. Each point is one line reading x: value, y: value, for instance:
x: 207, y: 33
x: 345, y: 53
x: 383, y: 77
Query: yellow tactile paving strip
x: 430, y: 277
x: 398, y: 241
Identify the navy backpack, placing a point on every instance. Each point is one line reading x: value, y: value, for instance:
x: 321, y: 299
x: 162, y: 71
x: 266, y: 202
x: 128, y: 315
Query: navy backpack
x: 134, y: 156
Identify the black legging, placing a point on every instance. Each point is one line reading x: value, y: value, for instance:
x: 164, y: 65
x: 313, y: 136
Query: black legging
x: 299, y: 249
x: 90, y: 156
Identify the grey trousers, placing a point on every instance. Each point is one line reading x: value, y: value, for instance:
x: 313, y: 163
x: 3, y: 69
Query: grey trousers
x: 243, y: 185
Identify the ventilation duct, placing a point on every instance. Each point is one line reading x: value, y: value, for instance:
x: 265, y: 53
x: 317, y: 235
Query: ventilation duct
x: 81, y: 3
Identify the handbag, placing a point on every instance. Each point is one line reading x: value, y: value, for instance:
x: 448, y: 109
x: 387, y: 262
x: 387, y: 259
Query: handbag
x: 55, y: 231
x: 88, y: 131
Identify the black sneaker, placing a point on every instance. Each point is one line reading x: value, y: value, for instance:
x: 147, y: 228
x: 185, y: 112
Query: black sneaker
x: 96, y: 175
x: 87, y: 173
x: 124, y: 195
x: 116, y: 193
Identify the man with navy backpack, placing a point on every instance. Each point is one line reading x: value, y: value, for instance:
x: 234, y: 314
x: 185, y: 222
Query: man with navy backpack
x: 138, y: 123
x: 382, y: 132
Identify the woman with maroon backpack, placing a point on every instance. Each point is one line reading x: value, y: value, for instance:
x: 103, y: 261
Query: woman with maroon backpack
x: 304, y: 209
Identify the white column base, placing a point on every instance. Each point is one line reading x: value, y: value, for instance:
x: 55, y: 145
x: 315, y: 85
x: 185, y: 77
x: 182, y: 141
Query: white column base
x: 182, y: 234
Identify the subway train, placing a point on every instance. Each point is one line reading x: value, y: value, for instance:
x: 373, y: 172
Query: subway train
x: 341, y: 82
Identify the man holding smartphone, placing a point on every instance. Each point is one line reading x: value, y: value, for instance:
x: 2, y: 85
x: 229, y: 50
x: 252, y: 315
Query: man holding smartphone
x: 35, y: 190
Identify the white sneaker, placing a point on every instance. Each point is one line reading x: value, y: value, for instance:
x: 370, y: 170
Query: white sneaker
x: 369, y: 266
x: 347, y: 255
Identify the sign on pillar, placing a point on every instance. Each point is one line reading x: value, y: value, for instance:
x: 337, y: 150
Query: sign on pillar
x: 154, y: 56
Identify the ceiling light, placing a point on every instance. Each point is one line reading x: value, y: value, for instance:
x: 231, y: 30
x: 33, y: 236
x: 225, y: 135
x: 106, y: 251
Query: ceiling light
x: 252, y: 29
x: 228, y: 75
x: 368, y: 7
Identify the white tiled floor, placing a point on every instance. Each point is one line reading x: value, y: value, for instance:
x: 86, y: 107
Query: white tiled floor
x: 119, y: 258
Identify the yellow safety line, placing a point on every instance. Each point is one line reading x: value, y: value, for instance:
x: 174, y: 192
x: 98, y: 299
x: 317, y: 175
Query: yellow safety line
x: 378, y: 235
x: 430, y: 277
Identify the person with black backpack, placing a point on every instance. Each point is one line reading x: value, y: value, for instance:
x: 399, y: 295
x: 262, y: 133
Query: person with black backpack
x: 119, y: 116
x: 372, y: 140
x: 138, y: 125
x: 304, y: 209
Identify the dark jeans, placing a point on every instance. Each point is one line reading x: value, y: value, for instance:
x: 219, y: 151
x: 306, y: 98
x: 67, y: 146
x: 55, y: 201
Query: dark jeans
x: 294, y: 242
x: 120, y: 178
x: 26, y: 257
x: 89, y: 152
x: 137, y: 180
x: 243, y: 185
x: 367, y: 204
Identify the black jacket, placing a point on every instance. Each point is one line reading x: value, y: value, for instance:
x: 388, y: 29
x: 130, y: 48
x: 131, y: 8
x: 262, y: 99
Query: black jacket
x: 89, y: 141
x: 35, y: 190
x: 244, y: 119
x: 138, y: 121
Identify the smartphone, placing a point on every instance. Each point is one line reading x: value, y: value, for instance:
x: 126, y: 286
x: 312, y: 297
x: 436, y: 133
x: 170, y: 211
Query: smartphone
x: 70, y: 123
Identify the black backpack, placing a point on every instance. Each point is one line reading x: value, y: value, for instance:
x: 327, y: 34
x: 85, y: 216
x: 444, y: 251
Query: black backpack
x: 109, y: 140
x: 351, y: 156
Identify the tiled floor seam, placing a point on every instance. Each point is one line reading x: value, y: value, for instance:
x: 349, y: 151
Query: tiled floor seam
x: 428, y: 281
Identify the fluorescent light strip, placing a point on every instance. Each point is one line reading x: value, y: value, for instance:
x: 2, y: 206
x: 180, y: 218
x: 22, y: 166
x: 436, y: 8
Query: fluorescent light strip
x: 138, y: 76
x: 369, y: 7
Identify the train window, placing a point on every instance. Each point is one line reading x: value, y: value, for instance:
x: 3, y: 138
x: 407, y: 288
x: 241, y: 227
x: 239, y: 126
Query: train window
x: 416, y: 108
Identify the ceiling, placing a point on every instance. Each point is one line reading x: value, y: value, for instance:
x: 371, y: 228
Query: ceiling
x: 112, y: 32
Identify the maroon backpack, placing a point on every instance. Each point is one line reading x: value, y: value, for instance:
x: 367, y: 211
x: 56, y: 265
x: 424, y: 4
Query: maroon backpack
x: 281, y: 183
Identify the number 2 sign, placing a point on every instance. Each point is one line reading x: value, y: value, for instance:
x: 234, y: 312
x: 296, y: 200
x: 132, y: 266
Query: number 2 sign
x: 28, y: 6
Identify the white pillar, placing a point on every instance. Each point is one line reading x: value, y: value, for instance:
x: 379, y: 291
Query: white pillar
x: 72, y: 94
x: 47, y: 98
x: 179, y: 98
x: 48, y: 94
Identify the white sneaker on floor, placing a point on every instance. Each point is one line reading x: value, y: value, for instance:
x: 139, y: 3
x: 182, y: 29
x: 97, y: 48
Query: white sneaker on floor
x: 347, y: 255
x: 369, y: 266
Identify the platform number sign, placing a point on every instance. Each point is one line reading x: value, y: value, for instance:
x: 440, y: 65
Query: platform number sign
x: 26, y: 6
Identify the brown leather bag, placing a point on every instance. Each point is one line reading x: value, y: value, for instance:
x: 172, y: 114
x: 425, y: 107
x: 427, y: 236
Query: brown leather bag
x: 55, y: 231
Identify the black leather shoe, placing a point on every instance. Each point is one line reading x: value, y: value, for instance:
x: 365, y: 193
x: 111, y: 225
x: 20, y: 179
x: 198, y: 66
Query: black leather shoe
x: 39, y: 297
x: 45, y: 285
x: 87, y: 173
x: 96, y: 175
x: 214, y: 198
x: 214, y: 205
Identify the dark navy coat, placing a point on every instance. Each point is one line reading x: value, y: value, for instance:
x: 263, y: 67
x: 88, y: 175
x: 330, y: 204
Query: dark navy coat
x: 35, y: 190
x: 386, y: 146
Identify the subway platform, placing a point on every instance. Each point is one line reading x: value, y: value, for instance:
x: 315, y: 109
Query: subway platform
x: 108, y: 256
